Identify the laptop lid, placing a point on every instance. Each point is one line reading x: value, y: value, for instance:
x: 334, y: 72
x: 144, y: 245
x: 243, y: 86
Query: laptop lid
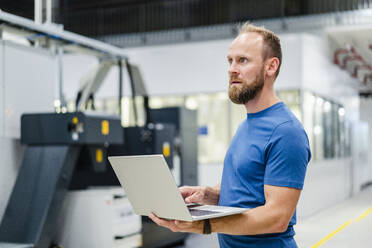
x: 150, y: 186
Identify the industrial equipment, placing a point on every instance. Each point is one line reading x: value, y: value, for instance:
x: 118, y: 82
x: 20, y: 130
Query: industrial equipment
x: 98, y: 217
x: 186, y: 130
x: 54, y: 144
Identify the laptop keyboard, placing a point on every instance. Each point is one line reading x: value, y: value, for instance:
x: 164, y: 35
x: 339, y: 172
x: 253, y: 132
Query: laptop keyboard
x: 198, y: 212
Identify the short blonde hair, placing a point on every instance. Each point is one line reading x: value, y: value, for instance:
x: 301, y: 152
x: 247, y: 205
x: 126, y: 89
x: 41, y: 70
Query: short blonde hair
x: 272, y: 47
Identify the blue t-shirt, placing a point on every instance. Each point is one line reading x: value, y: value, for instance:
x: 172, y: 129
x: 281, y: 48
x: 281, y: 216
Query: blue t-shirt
x: 270, y: 147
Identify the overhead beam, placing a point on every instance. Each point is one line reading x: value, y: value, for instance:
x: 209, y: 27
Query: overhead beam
x: 57, y: 32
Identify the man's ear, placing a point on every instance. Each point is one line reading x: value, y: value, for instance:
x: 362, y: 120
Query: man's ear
x: 272, y: 66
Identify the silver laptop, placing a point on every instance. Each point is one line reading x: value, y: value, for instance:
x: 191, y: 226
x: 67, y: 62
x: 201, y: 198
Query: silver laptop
x: 151, y: 188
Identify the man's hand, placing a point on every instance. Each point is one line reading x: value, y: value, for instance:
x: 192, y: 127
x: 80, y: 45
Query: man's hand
x: 191, y: 194
x: 178, y: 225
x: 201, y: 195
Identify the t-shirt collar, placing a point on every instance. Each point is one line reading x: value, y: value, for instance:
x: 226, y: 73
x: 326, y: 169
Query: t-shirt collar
x: 265, y: 111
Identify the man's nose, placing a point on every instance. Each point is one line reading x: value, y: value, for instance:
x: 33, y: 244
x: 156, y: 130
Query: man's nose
x: 233, y: 69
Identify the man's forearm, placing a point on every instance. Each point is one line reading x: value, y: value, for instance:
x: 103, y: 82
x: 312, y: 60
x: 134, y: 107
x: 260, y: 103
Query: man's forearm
x: 273, y: 217
x: 259, y: 220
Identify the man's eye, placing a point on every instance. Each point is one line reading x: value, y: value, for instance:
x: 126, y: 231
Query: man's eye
x: 243, y: 60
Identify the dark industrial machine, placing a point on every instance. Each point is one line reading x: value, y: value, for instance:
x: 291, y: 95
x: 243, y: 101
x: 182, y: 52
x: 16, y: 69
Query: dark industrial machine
x: 54, y: 144
x: 185, y: 121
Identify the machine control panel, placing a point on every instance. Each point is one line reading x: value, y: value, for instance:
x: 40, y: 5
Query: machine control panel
x: 71, y: 128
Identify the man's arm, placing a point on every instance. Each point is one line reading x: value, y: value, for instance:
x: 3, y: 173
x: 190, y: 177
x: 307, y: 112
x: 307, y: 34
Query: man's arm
x: 273, y: 217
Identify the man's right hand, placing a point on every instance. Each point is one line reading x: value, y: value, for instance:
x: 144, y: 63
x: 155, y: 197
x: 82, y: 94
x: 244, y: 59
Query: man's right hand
x: 200, y: 194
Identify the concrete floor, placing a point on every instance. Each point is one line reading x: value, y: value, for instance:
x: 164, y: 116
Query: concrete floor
x: 345, y: 225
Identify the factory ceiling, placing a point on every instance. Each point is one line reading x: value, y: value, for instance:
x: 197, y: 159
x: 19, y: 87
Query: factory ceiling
x: 96, y: 18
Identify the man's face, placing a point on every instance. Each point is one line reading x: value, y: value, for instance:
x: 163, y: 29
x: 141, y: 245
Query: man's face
x: 246, y: 70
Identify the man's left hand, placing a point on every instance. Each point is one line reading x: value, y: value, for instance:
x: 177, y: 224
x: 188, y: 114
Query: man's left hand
x: 178, y: 225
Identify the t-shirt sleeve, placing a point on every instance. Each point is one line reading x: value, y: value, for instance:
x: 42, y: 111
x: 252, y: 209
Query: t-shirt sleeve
x: 287, y: 155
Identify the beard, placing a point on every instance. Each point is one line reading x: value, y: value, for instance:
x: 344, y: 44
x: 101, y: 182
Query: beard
x: 244, y: 92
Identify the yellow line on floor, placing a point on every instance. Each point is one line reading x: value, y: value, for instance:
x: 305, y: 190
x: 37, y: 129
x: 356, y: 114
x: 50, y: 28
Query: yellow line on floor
x: 326, y: 238
x: 364, y: 214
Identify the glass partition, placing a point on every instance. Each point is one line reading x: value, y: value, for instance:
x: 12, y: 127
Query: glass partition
x: 326, y: 128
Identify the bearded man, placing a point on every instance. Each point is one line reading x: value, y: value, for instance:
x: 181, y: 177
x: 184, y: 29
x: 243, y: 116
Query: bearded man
x: 265, y: 165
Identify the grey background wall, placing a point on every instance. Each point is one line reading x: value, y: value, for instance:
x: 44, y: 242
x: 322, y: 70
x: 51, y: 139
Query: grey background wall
x: 202, y: 66
x: 366, y: 115
x: 76, y: 66
x: 27, y: 85
x: 2, y: 99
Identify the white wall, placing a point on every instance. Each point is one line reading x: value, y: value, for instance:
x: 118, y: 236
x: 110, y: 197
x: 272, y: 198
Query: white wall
x: 292, y: 67
x: 2, y: 97
x: 202, y: 66
x: 76, y: 66
x: 209, y: 174
x: 327, y: 182
x: 183, y: 68
x: 360, y: 169
x: 28, y: 84
x: 366, y: 116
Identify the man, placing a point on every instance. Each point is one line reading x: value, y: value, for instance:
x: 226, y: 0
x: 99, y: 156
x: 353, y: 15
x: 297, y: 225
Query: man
x: 265, y: 165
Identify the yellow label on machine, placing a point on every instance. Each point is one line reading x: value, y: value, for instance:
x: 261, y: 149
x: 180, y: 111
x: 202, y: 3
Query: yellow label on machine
x: 75, y: 120
x: 105, y: 127
x: 166, y: 149
x: 99, y: 155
